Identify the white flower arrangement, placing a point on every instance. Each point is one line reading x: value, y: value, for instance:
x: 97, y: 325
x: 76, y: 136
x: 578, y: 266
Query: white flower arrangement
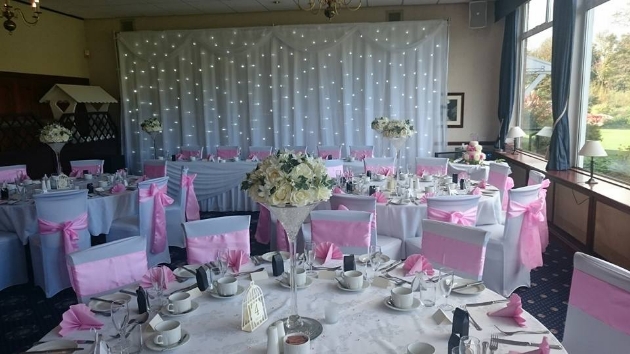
x: 472, y: 153
x: 378, y: 123
x: 151, y: 125
x: 54, y: 133
x: 398, y: 129
x: 289, y: 179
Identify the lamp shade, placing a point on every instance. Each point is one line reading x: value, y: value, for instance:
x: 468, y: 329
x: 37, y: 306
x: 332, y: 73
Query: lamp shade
x: 592, y: 148
x: 545, y: 131
x: 516, y: 132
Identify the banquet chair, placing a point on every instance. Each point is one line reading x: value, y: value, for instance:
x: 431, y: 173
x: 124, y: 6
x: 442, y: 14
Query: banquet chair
x: 391, y: 246
x: 261, y: 152
x: 10, y: 173
x: 461, y: 248
x: 431, y: 165
x: 360, y: 152
x: 349, y: 230
x: 597, y: 312
x: 63, y: 229
x: 324, y: 151
x: 380, y: 165
x: 149, y: 192
x: 296, y: 149
x: 498, y: 176
x: 474, y: 172
x: 154, y: 168
x: 333, y: 166
x: 186, y: 152
x: 105, y: 268
x: 228, y: 152
x: 13, y: 269
x: 205, y: 237
x: 93, y: 166
x: 535, y: 177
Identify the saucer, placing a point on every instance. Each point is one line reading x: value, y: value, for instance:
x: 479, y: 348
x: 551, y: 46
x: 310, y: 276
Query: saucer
x: 388, y: 302
x: 151, y: 345
x: 365, y: 286
x: 239, y: 291
x: 194, y: 306
x: 309, y: 282
x: 101, y: 306
x: 268, y: 256
x: 182, y: 273
x: 55, y: 345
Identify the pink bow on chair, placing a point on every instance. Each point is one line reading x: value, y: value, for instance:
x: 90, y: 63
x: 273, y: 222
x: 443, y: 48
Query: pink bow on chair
x: 466, y: 217
x: 423, y: 199
x: 160, y: 199
x: 68, y: 231
x: 544, y: 229
x: 192, y: 205
x: 381, y: 198
x: 529, y: 241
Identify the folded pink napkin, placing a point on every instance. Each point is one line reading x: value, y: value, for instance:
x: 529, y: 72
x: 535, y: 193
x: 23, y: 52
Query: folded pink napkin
x: 476, y: 191
x: 179, y: 157
x: 542, y: 349
x: 119, y: 188
x: 338, y: 190
x: 513, y: 309
x: 417, y: 263
x: 482, y: 184
x: 78, y: 317
x: 167, y: 275
x: 342, y: 207
x: 327, y: 251
x: 386, y: 171
x: 381, y: 198
x: 237, y: 258
x: 423, y: 199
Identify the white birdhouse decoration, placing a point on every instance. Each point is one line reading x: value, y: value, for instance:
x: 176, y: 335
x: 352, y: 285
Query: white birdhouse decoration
x: 254, y: 309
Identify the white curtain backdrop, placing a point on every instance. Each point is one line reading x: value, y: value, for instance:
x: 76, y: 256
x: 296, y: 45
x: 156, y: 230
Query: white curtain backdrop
x: 285, y: 85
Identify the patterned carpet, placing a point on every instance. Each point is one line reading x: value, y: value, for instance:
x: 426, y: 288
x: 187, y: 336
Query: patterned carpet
x: 26, y: 315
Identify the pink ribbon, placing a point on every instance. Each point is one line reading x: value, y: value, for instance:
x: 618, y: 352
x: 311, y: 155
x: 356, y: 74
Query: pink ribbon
x: 381, y: 198
x: 466, y: 217
x: 153, y: 171
x: 78, y: 170
x: 227, y: 153
x: 68, y: 230
x: 462, y: 175
x: 324, y: 154
x: 463, y: 256
x: 203, y: 249
x: 544, y: 228
x: 530, y: 249
x: 382, y: 170
x: 160, y: 199
x: 11, y: 175
x: 361, y: 154
x: 192, y: 205
x: 432, y: 170
x: 338, y: 190
x: 260, y: 155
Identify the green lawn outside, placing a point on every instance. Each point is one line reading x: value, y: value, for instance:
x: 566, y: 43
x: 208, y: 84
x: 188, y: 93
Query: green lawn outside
x: 613, y: 138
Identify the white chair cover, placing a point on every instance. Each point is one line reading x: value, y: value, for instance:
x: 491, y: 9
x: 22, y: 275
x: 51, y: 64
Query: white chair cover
x: 431, y: 165
x: 498, y: 176
x: 176, y: 214
x: 47, y: 251
x: 154, y: 168
x: 10, y: 173
x: 597, y: 313
x: 361, y: 152
x: 461, y: 203
x: 475, y: 172
x: 334, y: 166
x: 296, y: 148
x: 261, y: 152
x: 94, y: 166
x: 324, y: 151
x: 380, y: 165
x: 205, y: 237
x: 535, y: 177
x: 108, y: 267
x: 344, y: 228
x: 228, y: 151
x: 13, y: 260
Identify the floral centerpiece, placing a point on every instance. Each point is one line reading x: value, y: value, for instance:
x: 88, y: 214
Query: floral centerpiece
x: 379, y: 123
x: 472, y: 154
x: 56, y: 136
x: 152, y: 126
x: 398, y: 129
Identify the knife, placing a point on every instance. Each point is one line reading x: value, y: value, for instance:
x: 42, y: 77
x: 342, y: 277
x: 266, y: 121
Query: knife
x: 247, y: 273
x: 66, y: 350
x: 526, y: 344
x: 393, y: 266
x: 78, y: 341
x: 101, y: 300
x: 487, y: 303
x: 185, y: 289
x: 467, y: 285
x: 189, y: 271
x: 128, y: 292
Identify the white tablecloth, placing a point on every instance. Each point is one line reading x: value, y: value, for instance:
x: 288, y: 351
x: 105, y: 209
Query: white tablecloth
x: 366, y: 325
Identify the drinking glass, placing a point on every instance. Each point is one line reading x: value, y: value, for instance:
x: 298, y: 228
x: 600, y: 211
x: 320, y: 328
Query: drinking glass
x: 469, y: 345
x: 309, y: 252
x: 338, y: 175
x: 158, y: 283
x: 120, y: 318
x: 222, y: 260
x: 376, y: 256
x: 447, y: 278
x: 428, y: 289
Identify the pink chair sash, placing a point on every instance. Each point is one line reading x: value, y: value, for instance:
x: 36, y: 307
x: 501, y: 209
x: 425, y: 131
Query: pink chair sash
x: 432, y: 170
x: 9, y: 176
x: 463, y: 256
x: 227, y: 153
x: 260, y: 155
x: 586, y: 293
x: 203, y: 249
x: 544, y: 228
x: 466, y: 217
x: 530, y: 250
x: 186, y: 154
x: 153, y: 171
x: 497, y: 179
x: 68, y: 230
x: 89, y: 278
x: 264, y: 225
x: 77, y: 171
x: 160, y: 200
x: 332, y: 171
x: 383, y: 170
x: 361, y: 154
x: 192, y: 205
x: 324, y: 153
x: 341, y: 232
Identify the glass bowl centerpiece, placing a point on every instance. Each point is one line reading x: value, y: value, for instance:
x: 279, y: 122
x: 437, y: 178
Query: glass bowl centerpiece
x: 291, y: 185
x: 397, y: 132
x: 56, y: 136
x: 153, y: 127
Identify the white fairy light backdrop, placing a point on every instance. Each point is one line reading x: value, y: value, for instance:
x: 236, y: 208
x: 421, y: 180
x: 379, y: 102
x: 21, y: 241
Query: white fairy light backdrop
x: 285, y: 85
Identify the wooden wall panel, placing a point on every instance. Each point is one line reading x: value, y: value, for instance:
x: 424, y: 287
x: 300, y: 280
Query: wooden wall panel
x: 519, y: 175
x: 611, y: 234
x: 571, y: 212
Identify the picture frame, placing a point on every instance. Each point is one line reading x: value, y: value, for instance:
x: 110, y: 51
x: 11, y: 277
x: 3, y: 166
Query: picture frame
x: 455, y: 110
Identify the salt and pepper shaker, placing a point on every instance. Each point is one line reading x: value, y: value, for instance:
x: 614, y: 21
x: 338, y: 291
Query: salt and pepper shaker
x: 272, y: 340
x: 280, y: 328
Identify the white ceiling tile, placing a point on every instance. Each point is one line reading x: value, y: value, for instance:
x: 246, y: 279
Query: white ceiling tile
x: 282, y: 5
x: 420, y: 2
x: 210, y: 7
x: 443, y: 2
x: 382, y: 3
x: 244, y: 5
x: 178, y: 8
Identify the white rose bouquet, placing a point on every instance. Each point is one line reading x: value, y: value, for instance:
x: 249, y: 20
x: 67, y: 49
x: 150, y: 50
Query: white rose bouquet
x: 151, y: 125
x: 289, y: 179
x: 398, y: 129
x: 54, y: 133
x: 378, y: 123
x: 472, y: 154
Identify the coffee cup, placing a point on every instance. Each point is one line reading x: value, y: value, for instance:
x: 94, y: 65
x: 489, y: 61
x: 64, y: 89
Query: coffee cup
x: 402, y: 297
x: 193, y: 158
x: 352, y: 279
x: 420, y: 348
x: 87, y: 175
x: 169, y: 333
x: 179, y: 303
x: 102, y: 184
x: 296, y: 343
x: 300, y: 277
x: 226, y: 286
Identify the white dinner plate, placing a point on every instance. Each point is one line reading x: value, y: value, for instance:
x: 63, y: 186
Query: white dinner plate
x: 365, y: 257
x: 101, y: 306
x: 55, y: 344
x: 193, y: 307
x: 414, y: 306
x: 239, y: 291
x: 182, y: 273
x: 309, y: 282
x: 151, y: 345
x: 470, y: 290
x: 267, y: 256
x: 365, y: 286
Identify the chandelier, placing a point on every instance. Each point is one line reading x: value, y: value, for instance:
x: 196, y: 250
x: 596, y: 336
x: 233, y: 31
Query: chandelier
x: 9, y: 12
x: 329, y: 7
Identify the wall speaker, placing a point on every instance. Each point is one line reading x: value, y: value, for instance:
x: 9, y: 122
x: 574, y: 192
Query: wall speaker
x: 477, y: 14
x: 126, y: 26
x: 393, y: 16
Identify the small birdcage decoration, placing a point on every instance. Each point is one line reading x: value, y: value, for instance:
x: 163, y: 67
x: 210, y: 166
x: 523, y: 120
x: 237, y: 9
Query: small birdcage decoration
x: 254, y: 309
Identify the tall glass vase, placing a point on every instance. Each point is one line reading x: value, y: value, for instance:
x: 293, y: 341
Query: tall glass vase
x: 291, y: 218
x: 153, y: 137
x: 56, y: 147
x: 398, y: 144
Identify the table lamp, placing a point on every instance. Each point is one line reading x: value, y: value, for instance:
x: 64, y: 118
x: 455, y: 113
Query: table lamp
x: 515, y: 133
x: 592, y: 148
x: 545, y: 132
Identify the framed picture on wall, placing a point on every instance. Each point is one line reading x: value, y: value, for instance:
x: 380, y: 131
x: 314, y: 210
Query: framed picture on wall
x: 455, y: 110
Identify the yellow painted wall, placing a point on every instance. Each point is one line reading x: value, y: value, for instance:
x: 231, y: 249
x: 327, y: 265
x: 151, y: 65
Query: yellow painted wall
x: 55, y: 46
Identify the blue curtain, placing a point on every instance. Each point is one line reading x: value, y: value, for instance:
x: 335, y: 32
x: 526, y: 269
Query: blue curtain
x: 503, y: 8
x: 507, y: 79
x: 563, y: 27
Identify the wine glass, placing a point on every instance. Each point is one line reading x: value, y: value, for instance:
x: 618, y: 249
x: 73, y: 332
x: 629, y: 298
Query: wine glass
x: 158, y: 283
x: 469, y: 345
x: 447, y: 278
x: 309, y: 252
x: 222, y: 260
x: 120, y: 318
x: 376, y: 256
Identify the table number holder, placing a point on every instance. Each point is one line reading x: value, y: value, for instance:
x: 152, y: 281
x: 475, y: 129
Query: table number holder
x: 63, y: 181
x: 254, y: 309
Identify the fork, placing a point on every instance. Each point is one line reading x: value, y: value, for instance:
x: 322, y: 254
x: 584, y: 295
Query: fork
x: 523, y: 332
x: 255, y: 260
x: 396, y: 278
x: 494, y: 345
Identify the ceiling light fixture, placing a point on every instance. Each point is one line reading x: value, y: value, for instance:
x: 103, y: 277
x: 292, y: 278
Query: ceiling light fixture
x: 330, y: 7
x: 9, y: 12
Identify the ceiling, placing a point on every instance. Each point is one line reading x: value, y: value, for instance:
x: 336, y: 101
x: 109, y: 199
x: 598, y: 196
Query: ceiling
x: 91, y: 9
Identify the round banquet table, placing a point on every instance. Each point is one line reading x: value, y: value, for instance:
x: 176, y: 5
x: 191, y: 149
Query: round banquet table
x: 366, y: 325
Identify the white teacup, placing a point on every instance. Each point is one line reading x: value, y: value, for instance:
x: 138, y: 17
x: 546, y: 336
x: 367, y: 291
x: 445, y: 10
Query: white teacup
x: 179, y: 303
x: 102, y: 184
x: 193, y: 158
x: 300, y: 277
x: 226, y: 286
x: 296, y: 343
x: 420, y: 348
x: 352, y: 279
x: 87, y: 175
x: 402, y: 297
x: 169, y: 332
x: 427, y: 178
x: 429, y: 189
